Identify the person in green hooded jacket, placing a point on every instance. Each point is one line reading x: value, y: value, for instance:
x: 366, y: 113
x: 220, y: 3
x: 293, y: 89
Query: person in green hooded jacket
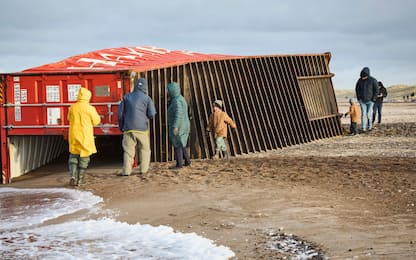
x: 82, y: 118
x: 178, y: 124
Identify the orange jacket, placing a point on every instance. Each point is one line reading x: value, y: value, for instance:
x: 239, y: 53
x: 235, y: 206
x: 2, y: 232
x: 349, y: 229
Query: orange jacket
x: 218, y: 123
x: 355, y: 113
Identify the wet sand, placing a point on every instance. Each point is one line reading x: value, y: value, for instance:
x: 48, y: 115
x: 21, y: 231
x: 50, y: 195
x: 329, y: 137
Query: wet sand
x: 350, y: 196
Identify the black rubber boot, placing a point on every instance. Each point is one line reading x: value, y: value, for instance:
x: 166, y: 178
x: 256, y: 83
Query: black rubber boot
x: 186, y: 157
x: 73, y: 172
x: 179, y: 157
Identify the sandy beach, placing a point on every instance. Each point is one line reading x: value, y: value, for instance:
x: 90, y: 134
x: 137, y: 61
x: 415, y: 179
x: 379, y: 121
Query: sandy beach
x: 351, y: 197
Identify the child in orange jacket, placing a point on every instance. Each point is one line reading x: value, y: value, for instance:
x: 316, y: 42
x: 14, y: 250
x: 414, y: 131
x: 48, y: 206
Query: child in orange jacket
x: 217, y: 123
x: 355, y: 114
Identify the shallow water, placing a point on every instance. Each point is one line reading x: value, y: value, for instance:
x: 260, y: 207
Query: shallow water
x: 25, y: 234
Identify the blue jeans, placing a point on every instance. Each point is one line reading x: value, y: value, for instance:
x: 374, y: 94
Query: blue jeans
x: 366, y: 115
x: 378, y: 106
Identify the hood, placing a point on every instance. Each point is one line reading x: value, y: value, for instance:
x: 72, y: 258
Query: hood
x: 365, y: 72
x: 84, y: 95
x: 141, y: 85
x: 174, y: 89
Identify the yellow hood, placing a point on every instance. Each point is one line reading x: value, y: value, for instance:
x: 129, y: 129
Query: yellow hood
x: 84, y: 95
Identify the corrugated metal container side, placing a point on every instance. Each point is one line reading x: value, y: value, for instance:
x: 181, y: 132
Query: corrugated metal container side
x: 276, y: 101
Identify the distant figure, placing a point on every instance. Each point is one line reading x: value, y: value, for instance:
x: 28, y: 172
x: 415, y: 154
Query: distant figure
x: 378, y: 105
x: 366, y: 91
x: 218, y: 122
x: 82, y: 118
x: 134, y: 111
x: 355, y: 115
x: 178, y: 125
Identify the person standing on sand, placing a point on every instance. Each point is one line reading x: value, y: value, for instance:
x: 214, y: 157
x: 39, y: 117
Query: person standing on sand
x: 366, y: 91
x: 82, y: 118
x: 355, y: 115
x: 134, y: 111
x: 378, y: 105
x: 178, y: 125
x: 218, y: 122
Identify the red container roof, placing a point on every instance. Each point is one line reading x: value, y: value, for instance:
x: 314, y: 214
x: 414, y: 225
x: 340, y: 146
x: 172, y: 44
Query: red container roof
x: 125, y: 58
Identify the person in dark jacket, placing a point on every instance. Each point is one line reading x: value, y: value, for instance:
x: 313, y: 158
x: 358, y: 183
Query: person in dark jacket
x: 134, y: 111
x: 178, y: 124
x: 378, y: 105
x: 366, y: 91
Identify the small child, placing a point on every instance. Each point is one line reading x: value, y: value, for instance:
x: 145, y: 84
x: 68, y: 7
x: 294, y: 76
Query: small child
x: 218, y: 122
x: 355, y: 114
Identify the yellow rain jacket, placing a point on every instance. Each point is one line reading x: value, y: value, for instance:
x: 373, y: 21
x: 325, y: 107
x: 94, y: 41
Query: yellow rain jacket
x: 82, y: 118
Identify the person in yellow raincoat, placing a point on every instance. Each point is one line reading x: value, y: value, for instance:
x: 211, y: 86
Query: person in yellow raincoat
x: 82, y: 118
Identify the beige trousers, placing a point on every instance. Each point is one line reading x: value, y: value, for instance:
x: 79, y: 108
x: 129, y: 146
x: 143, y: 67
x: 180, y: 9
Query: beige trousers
x: 132, y: 142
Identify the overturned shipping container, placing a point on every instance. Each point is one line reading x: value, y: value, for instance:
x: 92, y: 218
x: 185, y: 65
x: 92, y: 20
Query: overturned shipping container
x: 276, y: 101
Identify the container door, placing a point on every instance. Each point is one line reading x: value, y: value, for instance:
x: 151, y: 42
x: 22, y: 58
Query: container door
x: 4, y: 177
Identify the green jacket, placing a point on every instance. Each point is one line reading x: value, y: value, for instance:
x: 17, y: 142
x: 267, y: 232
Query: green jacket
x: 178, y: 116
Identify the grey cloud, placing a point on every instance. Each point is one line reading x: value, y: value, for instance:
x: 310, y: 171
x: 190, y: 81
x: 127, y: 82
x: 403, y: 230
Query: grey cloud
x: 379, y: 34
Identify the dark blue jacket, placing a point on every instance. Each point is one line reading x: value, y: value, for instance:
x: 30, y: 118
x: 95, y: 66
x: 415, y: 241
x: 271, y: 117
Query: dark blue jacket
x: 366, y: 89
x: 136, y: 108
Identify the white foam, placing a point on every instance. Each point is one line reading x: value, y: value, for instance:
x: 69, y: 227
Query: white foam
x: 27, y: 207
x: 91, y: 239
x: 108, y: 239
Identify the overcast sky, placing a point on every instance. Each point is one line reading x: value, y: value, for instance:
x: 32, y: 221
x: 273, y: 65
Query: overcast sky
x: 380, y: 34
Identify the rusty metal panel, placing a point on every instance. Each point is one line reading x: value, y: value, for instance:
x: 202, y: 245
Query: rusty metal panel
x: 316, y: 97
x: 275, y: 108
x: 276, y: 101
